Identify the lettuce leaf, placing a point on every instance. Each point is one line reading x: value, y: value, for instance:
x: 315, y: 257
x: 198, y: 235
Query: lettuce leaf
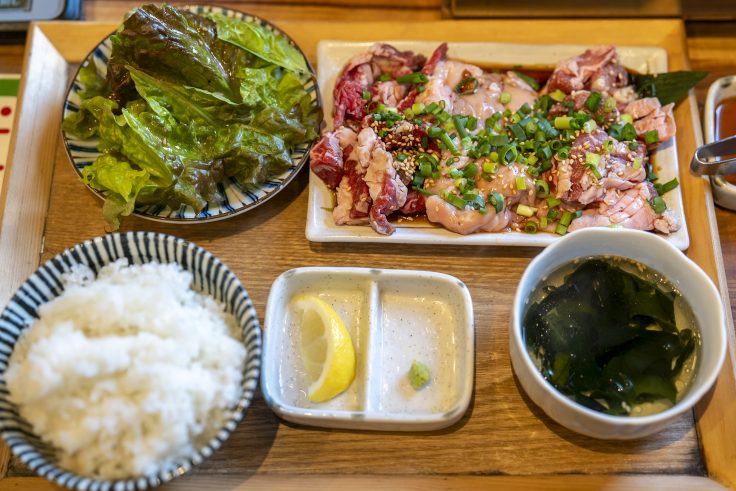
x: 122, y: 183
x: 256, y: 39
x: 170, y: 44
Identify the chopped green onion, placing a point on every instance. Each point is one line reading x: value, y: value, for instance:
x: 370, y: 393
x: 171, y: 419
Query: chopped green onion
x: 520, y: 183
x: 526, y: 78
x: 412, y: 78
x: 609, y: 105
x: 409, y: 115
x: 493, y: 156
x: 443, y: 117
x: 543, y: 104
x: 423, y: 191
x: 498, y: 140
x: 545, y: 126
x: 552, y: 202
x: 666, y: 187
x: 608, y: 146
x: 454, y: 200
x: 592, y: 160
x: 445, y: 138
x: 566, y: 218
x: 472, y: 123
x: 455, y: 173
x: 542, y: 188
x: 637, y: 163
x: 366, y: 95
x: 627, y: 118
x: 558, y: 95
x: 470, y: 170
x: 418, y: 180
x: 633, y: 146
x: 592, y: 102
x: 589, y: 126
x: 385, y: 77
x: 563, y: 122
x: 495, y: 117
x: 658, y: 204
x: 490, y: 167
x: 420, y: 89
x: 434, y: 131
x: 417, y: 108
x: 505, y: 98
x: 628, y: 132
x: 531, y: 128
x: 543, y: 222
x: 553, y: 213
x: 425, y: 169
x: 545, y: 152
x: 460, y: 122
x: 467, y: 86
x: 508, y: 154
x: 561, y: 229
x: 518, y: 133
x: 525, y: 109
x: 578, y: 213
x: 651, y: 137
x: 432, y: 108
x: 530, y: 227
x: 525, y: 210
x: 496, y: 200
x: 401, y: 157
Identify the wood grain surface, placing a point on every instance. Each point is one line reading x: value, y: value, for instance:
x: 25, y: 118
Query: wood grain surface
x: 503, y: 432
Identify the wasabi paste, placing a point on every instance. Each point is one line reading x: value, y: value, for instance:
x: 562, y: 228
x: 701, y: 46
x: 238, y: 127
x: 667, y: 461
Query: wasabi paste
x: 418, y: 375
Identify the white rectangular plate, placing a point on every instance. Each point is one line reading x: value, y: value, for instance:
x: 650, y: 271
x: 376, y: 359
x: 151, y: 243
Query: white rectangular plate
x: 332, y: 55
x: 394, y: 317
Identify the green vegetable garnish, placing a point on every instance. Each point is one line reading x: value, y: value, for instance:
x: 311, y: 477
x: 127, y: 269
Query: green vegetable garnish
x: 667, y: 87
x: 418, y: 375
x: 607, y: 338
x: 189, y: 101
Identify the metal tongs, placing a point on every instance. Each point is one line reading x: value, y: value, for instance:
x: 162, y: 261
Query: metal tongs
x: 707, y: 159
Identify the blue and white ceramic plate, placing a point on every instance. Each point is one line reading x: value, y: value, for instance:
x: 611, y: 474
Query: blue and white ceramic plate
x: 236, y: 197
x: 211, y: 277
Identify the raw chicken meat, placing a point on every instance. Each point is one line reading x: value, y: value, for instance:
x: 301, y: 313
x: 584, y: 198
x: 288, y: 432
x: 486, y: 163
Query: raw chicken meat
x: 648, y: 115
x: 476, y: 153
x: 360, y: 73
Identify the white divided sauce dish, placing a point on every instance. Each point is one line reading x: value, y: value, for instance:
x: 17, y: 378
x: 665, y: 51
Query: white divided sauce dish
x: 394, y: 317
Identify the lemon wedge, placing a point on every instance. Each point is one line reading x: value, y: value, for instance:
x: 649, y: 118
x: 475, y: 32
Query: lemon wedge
x: 327, y: 348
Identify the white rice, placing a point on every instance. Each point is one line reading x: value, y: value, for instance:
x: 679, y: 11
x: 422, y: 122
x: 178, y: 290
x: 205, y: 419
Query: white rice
x: 128, y: 373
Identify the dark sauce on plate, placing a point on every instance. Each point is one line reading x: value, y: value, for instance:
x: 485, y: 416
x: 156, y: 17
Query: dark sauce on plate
x: 726, y: 125
x: 612, y: 335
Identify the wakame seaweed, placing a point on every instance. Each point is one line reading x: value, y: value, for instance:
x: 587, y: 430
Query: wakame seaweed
x: 607, y: 338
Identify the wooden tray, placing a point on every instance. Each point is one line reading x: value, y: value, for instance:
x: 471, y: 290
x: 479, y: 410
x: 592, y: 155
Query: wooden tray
x: 504, y: 440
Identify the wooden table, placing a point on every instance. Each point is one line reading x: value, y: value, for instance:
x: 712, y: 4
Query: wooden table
x: 309, y: 451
